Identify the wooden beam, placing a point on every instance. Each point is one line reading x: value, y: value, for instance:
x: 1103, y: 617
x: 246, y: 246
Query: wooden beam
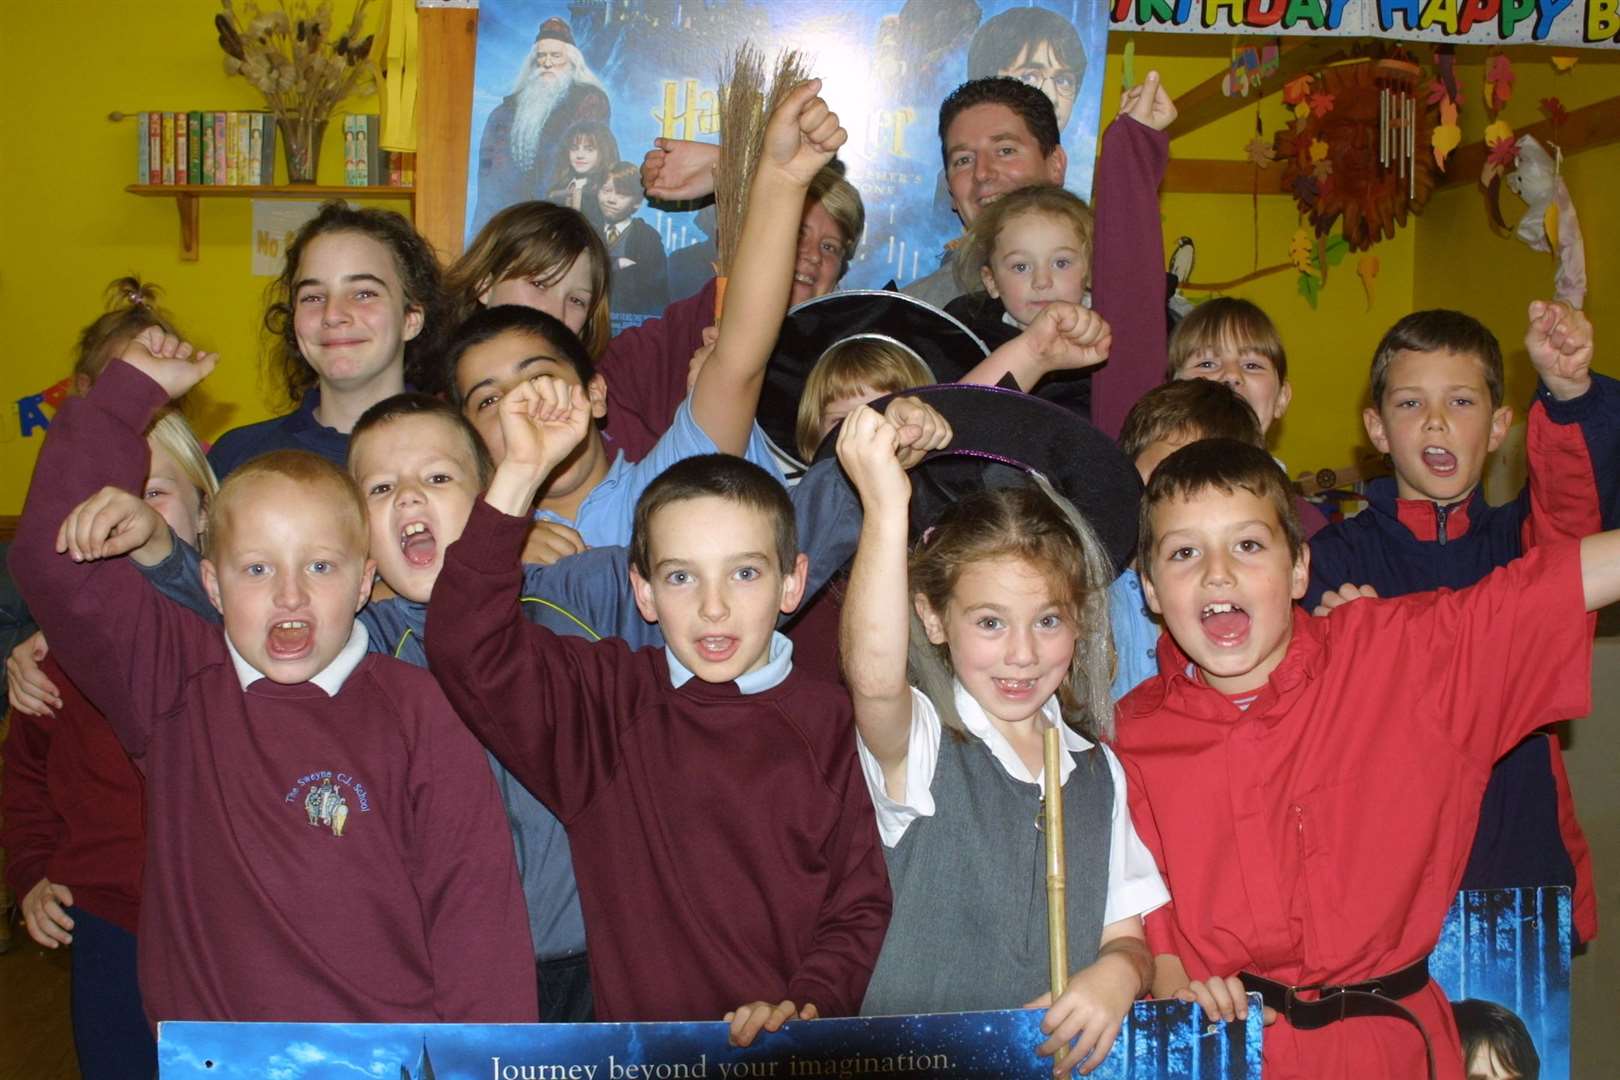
x: 1205, y: 103
x: 1589, y: 126
x: 1205, y: 176
x: 448, y: 46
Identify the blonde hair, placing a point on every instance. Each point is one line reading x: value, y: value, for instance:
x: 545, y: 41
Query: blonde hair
x: 533, y: 240
x: 1226, y: 324
x: 855, y: 363
x: 171, y: 432
x: 1035, y: 524
x: 1048, y: 201
x: 302, y: 468
x: 131, y: 308
x: 843, y: 204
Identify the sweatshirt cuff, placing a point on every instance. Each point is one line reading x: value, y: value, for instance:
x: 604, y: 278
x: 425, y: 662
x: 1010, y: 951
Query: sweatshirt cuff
x: 1580, y: 408
x: 492, y: 542
x: 804, y: 990
x: 128, y: 396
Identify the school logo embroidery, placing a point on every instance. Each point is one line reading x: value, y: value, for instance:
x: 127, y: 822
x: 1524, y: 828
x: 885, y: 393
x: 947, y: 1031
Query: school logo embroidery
x: 327, y: 798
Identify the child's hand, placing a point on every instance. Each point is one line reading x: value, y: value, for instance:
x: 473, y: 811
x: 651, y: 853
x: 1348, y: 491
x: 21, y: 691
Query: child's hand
x: 550, y: 541
x: 110, y: 523
x: 43, y: 914
x: 802, y: 134
x: 1088, y: 1014
x: 542, y: 420
x: 869, y: 451
x: 679, y: 170
x: 166, y: 360
x: 1223, y: 999
x: 694, y: 366
x: 747, y: 1020
x: 27, y: 687
x: 1068, y: 337
x: 1344, y: 595
x: 1560, y: 344
x: 918, y: 427
x: 1148, y: 104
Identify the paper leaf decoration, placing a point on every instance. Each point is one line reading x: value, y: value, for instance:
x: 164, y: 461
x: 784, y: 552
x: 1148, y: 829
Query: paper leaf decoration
x: 1295, y: 91
x: 1259, y: 151
x: 1550, y: 220
x: 1437, y: 92
x: 1554, y: 110
x: 1129, y: 63
x: 1335, y: 249
x: 1498, y: 81
x: 1499, y: 131
x: 1366, y: 270
x: 1302, y: 110
x: 1309, y: 288
x: 1563, y: 62
x: 1448, y: 136
x: 1302, y: 251
x: 1306, y: 189
x: 1321, y: 104
x: 1319, y: 150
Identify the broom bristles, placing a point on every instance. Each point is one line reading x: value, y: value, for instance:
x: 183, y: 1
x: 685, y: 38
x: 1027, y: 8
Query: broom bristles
x: 746, y: 105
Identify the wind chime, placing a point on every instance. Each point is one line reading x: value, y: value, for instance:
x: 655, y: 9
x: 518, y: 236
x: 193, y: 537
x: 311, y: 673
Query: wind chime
x: 1397, y: 121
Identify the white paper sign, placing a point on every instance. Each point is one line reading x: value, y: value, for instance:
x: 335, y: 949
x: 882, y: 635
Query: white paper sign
x: 275, y: 222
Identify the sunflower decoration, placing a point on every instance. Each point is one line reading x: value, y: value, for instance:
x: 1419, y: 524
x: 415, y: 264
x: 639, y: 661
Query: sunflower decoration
x: 1358, y: 146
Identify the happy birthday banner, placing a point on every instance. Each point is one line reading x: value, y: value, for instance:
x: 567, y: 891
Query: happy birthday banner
x: 28, y: 412
x: 1587, y: 23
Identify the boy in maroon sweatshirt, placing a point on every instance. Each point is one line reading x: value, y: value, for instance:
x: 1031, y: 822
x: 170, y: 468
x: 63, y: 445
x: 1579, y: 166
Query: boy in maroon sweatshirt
x: 725, y: 847
x: 325, y: 841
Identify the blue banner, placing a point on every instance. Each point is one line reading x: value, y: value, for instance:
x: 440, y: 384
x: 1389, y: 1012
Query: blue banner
x: 1159, y: 1039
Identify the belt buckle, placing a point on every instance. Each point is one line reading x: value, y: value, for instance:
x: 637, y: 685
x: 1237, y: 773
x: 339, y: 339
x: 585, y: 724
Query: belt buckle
x: 1326, y: 994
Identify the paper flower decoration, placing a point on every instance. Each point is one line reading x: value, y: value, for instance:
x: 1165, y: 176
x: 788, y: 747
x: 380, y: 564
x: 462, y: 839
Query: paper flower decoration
x: 1259, y: 151
x: 1498, y: 82
x: 1448, y: 135
x: 1321, y: 104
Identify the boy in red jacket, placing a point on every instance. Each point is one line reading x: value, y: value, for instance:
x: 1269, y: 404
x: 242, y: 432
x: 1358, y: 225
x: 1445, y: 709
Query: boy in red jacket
x: 1310, y: 786
x: 724, y: 844
x: 325, y: 841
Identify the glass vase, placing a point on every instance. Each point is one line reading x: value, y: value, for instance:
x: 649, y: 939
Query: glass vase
x: 301, y: 146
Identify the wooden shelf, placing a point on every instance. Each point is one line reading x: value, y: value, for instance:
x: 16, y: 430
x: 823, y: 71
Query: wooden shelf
x: 187, y: 199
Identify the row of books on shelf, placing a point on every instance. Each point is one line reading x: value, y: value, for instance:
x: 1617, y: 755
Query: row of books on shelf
x: 365, y: 162
x: 229, y: 148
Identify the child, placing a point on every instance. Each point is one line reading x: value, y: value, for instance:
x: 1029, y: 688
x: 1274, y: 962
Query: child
x: 1437, y: 412
x: 696, y: 904
x: 1167, y: 418
x: 1010, y: 634
x: 848, y: 375
x: 542, y: 256
x: 357, y: 294
x: 1495, y: 1043
x: 73, y: 813
x: 595, y: 493
x: 640, y: 281
x: 328, y: 799
x: 1027, y: 249
x: 588, y: 149
x: 1310, y: 786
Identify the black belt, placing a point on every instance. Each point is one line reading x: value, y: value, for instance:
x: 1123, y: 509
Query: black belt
x: 1375, y: 997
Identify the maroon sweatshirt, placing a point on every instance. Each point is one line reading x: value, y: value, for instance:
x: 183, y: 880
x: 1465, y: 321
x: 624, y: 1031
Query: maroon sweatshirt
x: 725, y: 845
x: 72, y: 807
x: 316, y: 858
x: 645, y: 368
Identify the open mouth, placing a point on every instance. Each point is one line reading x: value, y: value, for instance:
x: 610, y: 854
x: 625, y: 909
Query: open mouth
x: 1225, y: 623
x: 417, y: 543
x: 717, y: 648
x: 290, y: 639
x: 1439, y: 461
x: 802, y: 278
x: 1014, y: 689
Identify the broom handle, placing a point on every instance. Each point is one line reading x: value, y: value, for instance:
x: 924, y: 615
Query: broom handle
x: 1057, y: 926
x: 719, y: 297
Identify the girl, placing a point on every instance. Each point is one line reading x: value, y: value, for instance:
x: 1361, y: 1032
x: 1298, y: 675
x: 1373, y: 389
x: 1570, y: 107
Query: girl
x: 354, y: 315
x: 542, y: 256
x: 1006, y: 600
x: 1027, y: 250
x: 847, y: 376
x: 588, y: 152
x: 74, y: 805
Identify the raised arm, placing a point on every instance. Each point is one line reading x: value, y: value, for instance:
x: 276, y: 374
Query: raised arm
x: 874, y: 628
x: 800, y: 137
x: 1063, y: 337
x: 1127, y: 264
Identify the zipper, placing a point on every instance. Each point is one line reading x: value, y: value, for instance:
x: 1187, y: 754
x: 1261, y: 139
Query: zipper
x: 1440, y: 515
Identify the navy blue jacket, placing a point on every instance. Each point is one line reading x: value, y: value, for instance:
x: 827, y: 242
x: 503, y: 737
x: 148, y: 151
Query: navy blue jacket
x: 1527, y: 833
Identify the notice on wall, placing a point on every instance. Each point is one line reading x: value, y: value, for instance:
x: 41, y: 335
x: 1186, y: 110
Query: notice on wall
x: 275, y: 223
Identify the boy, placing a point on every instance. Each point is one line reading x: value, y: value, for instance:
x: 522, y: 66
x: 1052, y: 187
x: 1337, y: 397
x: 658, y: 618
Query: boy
x: 592, y: 493
x: 1167, y: 418
x: 724, y: 844
x: 639, y: 279
x: 1309, y: 785
x: 325, y: 798
x: 1437, y: 412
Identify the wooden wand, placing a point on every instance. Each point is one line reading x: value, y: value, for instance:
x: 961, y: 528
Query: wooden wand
x: 1057, y: 925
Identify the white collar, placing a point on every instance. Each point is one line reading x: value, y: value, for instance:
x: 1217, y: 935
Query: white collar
x: 978, y: 724
x: 778, y: 666
x: 330, y: 678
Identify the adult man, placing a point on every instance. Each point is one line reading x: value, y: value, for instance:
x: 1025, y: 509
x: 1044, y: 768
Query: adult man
x: 554, y: 89
x: 997, y: 135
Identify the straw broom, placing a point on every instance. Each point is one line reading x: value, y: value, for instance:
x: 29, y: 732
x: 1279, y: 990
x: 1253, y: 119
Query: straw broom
x: 1057, y: 927
x: 745, y: 106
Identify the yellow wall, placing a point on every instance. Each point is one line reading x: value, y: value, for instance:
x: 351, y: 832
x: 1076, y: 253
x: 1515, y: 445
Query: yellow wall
x: 67, y: 227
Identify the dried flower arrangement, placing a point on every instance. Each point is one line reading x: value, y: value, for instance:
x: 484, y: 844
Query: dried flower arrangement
x: 291, y: 56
